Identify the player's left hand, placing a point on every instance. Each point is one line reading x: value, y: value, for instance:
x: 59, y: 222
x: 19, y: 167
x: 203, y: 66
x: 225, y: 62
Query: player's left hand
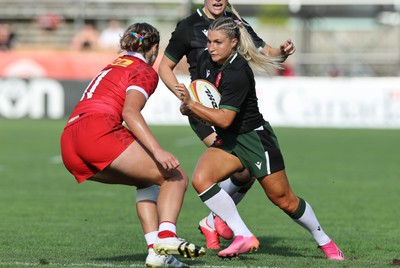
x: 287, y: 48
x: 166, y: 159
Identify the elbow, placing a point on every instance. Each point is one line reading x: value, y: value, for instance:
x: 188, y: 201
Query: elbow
x: 126, y: 114
x: 225, y: 119
x: 224, y: 124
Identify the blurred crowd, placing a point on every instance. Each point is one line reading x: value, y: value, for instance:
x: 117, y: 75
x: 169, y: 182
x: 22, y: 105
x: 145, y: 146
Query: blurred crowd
x: 92, y: 35
x: 89, y: 37
x: 7, y: 36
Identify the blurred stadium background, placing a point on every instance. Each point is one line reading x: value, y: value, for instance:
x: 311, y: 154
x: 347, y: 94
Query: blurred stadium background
x: 344, y: 74
x: 357, y: 42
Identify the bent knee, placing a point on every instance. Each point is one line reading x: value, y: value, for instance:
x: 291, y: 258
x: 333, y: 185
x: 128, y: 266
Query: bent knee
x: 201, y: 184
x: 179, y: 176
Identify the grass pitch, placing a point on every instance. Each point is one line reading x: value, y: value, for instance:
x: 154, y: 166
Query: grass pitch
x: 349, y: 176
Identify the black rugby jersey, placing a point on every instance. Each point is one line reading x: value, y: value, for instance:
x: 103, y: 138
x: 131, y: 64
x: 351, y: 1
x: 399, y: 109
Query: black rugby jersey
x: 190, y: 39
x: 238, y: 91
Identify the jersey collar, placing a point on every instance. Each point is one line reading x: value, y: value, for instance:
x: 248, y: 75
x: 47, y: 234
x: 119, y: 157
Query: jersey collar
x: 137, y: 55
x: 228, y: 61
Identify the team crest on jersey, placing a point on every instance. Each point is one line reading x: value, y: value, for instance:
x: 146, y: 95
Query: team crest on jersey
x: 218, y: 141
x: 122, y: 62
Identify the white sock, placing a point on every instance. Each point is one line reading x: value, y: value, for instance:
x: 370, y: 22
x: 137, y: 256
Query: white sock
x: 210, y: 220
x: 310, y: 222
x: 222, y: 205
x: 237, y: 197
x: 167, y: 226
x: 229, y: 187
x: 150, y: 237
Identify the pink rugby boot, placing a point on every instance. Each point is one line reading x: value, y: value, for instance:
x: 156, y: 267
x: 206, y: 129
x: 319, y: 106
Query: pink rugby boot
x: 332, y: 251
x: 240, y: 245
x: 211, y: 235
x: 222, y: 228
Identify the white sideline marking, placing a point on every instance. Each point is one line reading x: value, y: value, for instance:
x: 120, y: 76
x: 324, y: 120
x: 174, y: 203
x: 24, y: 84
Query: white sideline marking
x: 112, y: 265
x: 69, y: 264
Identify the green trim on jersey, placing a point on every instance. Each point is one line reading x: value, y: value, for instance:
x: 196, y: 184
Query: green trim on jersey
x: 229, y: 108
x: 204, y: 15
x: 170, y: 57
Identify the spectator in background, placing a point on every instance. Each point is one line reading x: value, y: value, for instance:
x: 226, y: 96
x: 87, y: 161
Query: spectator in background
x: 334, y: 70
x: 110, y: 36
x: 87, y: 38
x: 287, y: 70
x: 49, y: 21
x: 6, y: 36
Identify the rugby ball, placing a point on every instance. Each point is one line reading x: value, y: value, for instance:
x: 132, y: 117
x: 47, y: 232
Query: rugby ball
x: 204, y: 92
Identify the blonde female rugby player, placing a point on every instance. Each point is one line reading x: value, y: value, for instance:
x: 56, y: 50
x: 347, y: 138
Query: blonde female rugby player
x: 189, y: 40
x: 245, y: 139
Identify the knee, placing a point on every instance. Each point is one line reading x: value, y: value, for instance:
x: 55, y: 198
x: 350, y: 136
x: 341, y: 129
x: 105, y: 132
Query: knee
x: 196, y: 182
x: 178, y: 177
x: 186, y: 180
x: 147, y: 194
x: 200, y: 183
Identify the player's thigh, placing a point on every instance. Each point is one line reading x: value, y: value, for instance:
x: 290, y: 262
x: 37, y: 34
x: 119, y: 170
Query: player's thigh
x: 137, y: 163
x: 214, y: 166
x: 209, y: 140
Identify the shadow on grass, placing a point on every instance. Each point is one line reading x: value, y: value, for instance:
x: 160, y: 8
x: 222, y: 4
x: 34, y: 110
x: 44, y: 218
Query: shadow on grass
x: 267, y: 246
x: 141, y: 257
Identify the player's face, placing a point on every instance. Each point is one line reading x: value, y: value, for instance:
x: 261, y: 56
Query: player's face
x: 214, y: 8
x: 220, y: 46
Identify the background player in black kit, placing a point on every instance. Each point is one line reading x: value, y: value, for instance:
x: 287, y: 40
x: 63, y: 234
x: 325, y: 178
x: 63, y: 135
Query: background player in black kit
x: 190, y: 39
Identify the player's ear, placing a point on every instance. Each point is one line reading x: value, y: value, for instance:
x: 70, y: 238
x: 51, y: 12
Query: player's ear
x: 154, y: 49
x: 234, y: 42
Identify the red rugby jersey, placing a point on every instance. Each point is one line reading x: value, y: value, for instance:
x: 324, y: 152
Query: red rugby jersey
x: 107, y: 91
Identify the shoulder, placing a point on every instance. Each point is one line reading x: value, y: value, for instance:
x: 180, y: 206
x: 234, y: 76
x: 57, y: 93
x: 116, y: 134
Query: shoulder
x: 204, y: 60
x: 190, y: 20
x: 135, y: 66
x: 146, y: 70
x: 239, y: 63
x: 239, y: 70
